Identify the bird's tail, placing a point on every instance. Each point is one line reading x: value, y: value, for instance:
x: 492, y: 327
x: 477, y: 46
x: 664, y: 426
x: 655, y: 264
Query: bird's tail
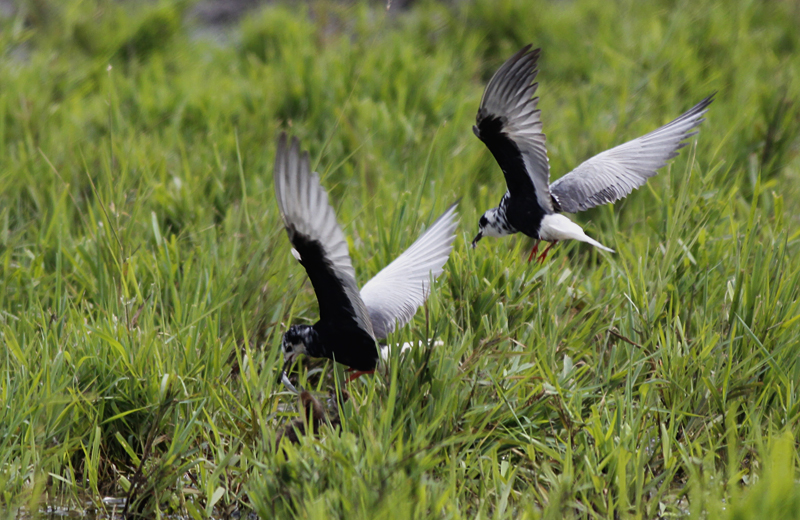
x: 558, y: 227
x: 595, y: 243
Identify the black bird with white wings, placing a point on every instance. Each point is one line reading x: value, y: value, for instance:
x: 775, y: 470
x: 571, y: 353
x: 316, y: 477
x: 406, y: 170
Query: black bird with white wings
x: 508, y: 123
x: 350, y: 321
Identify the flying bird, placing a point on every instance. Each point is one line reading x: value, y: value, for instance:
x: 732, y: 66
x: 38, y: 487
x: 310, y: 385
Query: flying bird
x: 508, y: 123
x: 350, y: 321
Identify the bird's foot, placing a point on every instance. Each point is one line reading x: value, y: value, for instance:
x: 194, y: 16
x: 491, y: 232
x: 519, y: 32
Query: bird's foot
x: 355, y: 374
x: 533, y: 251
x: 544, y: 253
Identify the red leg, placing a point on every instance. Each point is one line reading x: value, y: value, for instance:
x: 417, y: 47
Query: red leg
x: 355, y: 374
x: 533, y: 251
x: 544, y: 253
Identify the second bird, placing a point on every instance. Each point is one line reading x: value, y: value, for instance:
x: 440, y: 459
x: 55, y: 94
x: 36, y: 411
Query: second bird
x: 508, y: 123
x: 350, y: 321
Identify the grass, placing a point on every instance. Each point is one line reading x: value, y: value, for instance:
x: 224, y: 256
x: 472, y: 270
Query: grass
x: 146, y: 278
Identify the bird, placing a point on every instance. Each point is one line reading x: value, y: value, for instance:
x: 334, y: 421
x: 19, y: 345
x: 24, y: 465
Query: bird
x: 351, y: 322
x: 508, y: 122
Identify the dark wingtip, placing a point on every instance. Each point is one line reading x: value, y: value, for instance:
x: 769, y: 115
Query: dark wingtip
x: 531, y: 56
x: 280, y: 147
x: 702, y: 106
x: 527, y: 48
x: 534, y: 55
x: 708, y: 99
x: 295, y: 145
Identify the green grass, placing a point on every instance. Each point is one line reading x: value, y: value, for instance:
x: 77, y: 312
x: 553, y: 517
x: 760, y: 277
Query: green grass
x: 146, y: 278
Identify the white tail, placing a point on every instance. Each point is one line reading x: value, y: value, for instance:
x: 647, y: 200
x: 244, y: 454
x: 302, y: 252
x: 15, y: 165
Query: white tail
x: 558, y: 227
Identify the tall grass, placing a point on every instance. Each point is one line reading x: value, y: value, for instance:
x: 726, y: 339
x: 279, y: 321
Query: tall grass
x: 146, y: 278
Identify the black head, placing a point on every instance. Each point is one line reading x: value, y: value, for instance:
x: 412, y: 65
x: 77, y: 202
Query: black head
x: 493, y: 223
x: 296, y: 341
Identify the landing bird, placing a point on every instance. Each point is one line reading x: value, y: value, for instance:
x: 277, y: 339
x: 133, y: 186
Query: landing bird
x: 350, y: 322
x: 508, y: 124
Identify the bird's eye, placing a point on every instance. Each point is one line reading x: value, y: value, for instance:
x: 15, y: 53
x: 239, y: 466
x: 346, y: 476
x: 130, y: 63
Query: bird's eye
x: 484, y: 221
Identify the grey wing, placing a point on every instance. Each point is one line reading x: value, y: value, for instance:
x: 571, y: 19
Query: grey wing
x: 318, y: 241
x: 509, y: 125
x: 613, y: 174
x: 394, y: 294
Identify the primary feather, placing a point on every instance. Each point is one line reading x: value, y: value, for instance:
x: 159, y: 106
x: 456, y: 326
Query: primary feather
x: 393, y: 296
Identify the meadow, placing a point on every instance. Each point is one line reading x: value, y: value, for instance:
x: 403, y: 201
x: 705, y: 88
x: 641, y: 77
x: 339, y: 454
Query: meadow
x: 146, y: 278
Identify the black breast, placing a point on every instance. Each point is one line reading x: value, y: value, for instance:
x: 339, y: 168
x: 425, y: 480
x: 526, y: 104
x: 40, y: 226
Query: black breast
x: 346, y: 344
x: 525, y: 214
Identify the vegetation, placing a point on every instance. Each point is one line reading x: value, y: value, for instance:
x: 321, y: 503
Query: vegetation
x: 146, y: 278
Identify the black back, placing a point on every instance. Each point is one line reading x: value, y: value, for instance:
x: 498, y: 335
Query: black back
x: 345, y: 343
x: 339, y: 336
x: 521, y: 208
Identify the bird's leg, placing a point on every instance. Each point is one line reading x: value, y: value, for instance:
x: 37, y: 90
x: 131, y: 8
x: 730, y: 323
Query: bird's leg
x: 544, y: 253
x: 533, y: 251
x: 355, y: 374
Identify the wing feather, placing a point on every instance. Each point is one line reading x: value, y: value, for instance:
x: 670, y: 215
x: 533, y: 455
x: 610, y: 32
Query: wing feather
x: 393, y: 296
x: 613, y: 174
x: 316, y: 236
x: 508, y: 123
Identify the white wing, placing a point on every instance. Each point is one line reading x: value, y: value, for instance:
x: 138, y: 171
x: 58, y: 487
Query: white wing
x: 393, y: 296
x: 613, y: 174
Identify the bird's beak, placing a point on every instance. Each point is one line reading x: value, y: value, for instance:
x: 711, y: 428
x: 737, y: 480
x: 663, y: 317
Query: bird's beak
x: 477, y: 237
x: 287, y: 362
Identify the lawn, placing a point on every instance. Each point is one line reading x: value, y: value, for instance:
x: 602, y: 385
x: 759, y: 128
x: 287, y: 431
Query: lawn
x: 146, y: 278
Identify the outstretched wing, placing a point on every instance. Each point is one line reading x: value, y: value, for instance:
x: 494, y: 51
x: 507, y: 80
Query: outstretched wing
x: 508, y: 124
x: 311, y: 224
x: 393, y: 296
x: 613, y: 174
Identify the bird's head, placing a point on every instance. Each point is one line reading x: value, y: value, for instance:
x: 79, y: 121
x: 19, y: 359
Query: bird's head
x: 295, y: 341
x: 488, y: 226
